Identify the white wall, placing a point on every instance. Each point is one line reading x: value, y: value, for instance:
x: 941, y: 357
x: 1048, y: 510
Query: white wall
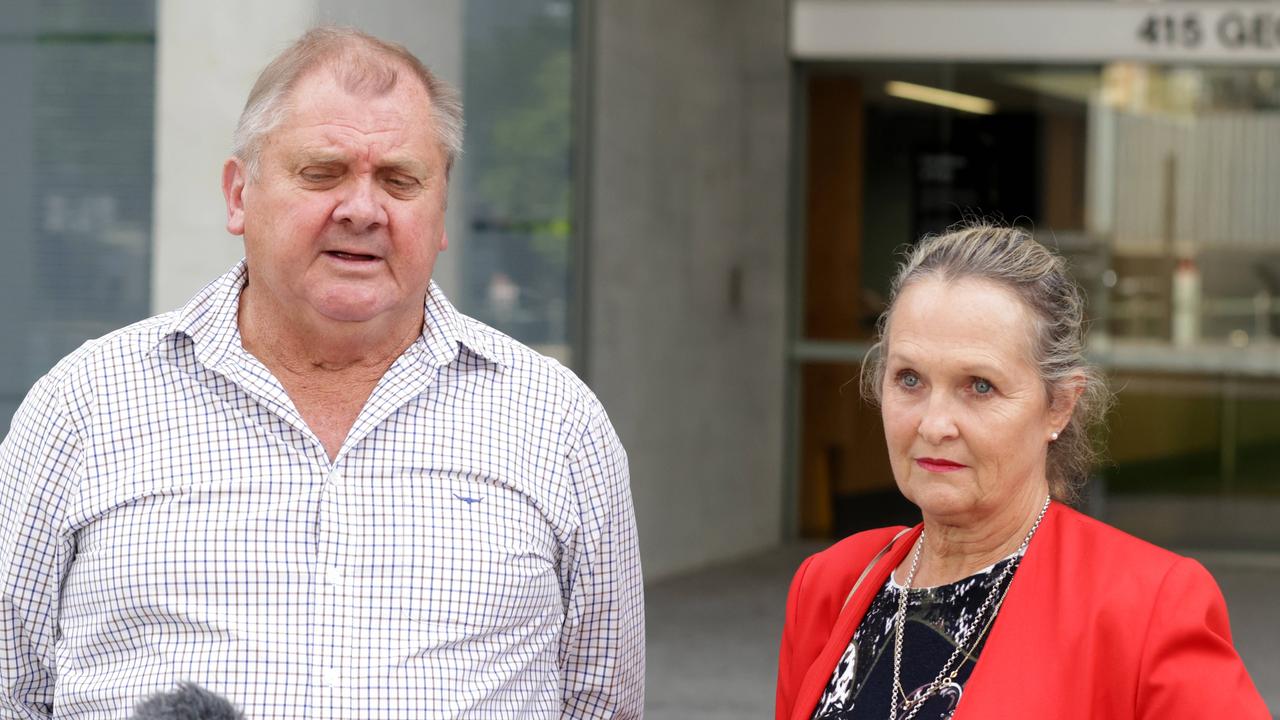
x: 208, y: 55
x: 689, y: 164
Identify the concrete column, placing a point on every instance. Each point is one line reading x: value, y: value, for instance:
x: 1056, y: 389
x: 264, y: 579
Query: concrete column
x: 207, y: 57
x: 687, y: 274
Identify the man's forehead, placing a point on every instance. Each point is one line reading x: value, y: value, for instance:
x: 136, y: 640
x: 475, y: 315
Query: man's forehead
x: 326, y: 123
x: 364, y: 76
x: 333, y: 153
x: 320, y: 100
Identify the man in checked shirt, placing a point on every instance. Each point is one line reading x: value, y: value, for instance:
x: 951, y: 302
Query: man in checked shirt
x: 317, y: 489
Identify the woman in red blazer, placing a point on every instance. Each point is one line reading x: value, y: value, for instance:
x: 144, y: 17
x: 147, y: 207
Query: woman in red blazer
x: 1003, y: 602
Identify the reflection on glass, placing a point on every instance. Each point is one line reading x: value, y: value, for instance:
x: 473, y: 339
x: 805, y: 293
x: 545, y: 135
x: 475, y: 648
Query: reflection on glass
x: 1159, y: 184
x: 78, y: 81
x: 517, y: 260
x: 1191, y: 317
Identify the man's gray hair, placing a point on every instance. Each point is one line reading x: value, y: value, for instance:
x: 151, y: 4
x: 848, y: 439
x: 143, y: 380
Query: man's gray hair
x: 362, y: 64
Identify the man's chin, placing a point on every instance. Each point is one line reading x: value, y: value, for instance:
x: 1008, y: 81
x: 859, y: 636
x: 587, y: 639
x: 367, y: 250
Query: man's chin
x: 353, y: 317
x: 353, y: 313
x: 344, y: 306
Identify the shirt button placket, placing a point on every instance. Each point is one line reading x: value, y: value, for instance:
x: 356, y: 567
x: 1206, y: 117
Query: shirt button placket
x: 333, y: 576
x: 328, y: 678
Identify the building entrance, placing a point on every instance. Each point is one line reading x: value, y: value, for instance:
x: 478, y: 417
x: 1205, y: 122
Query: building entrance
x: 1157, y: 181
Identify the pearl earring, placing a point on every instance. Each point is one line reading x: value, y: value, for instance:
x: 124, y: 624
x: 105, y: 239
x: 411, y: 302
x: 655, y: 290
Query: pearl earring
x: 1053, y: 436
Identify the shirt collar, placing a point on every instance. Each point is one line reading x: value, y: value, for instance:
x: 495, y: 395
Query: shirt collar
x: 209, y: 319
x: 445, y: 330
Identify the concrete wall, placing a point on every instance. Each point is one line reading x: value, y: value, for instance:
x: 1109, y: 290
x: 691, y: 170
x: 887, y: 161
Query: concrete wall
x: 687, y: 263
x: 208, y: 55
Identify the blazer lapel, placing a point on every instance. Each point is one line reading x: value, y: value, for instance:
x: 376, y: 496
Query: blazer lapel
x: 1028, y: 617
x: 815, y: 680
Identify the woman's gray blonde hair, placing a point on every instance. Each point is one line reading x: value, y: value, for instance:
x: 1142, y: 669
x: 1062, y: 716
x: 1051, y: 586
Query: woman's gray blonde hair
x: 1010, y: 258
x: 362, y: 64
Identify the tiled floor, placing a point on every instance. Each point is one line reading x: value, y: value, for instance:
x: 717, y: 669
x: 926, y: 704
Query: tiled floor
x: 713, y: 635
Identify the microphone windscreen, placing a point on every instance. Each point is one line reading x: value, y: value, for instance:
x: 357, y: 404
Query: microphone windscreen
x: 188, y: 702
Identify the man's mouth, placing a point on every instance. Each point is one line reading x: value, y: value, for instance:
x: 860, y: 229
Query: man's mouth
x: 350, y: 257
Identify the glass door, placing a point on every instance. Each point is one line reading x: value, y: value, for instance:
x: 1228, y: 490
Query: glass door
x: 1157, y: 182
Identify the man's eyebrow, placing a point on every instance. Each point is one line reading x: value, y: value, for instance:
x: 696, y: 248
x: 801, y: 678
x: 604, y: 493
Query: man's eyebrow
x: 409, y: 166
x: 319, y: 158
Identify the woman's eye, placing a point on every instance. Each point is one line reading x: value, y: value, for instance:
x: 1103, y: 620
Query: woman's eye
x: 909, y: 380
x: 982, y: 387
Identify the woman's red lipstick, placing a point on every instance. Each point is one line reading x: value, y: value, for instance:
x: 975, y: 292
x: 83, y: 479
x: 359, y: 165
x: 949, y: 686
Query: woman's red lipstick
x: 939, y: 465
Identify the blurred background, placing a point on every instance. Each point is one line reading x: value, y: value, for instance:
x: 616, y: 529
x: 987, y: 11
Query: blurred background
x: 697, y: 205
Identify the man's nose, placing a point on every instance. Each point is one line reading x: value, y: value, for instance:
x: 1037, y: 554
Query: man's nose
x: 938, y: 424
x: 361, y: 206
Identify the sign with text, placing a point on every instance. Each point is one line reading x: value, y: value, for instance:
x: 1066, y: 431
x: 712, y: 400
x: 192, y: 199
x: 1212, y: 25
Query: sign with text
x: 1064, y: 31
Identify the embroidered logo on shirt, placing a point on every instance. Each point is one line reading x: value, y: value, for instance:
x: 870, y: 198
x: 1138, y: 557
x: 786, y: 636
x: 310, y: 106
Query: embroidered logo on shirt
x: 468, y: 500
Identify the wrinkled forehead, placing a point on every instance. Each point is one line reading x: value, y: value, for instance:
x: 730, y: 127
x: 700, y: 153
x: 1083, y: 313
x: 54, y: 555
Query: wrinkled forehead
x: 961, y: 306
x: 398, y: 107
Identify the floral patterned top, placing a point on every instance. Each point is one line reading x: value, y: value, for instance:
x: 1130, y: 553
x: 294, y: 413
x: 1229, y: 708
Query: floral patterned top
x: 862, y: 684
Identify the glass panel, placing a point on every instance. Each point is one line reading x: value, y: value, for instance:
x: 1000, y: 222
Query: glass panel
x: 1159, y: 185
x: 76, y: 131
x: 516, y: 271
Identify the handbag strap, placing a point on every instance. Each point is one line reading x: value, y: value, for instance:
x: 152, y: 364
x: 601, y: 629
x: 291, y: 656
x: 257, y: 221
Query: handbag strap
x: 867, y: 570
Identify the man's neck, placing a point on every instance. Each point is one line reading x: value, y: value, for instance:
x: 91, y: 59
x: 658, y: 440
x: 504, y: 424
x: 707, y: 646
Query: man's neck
x: 315, y: 347
x: 328, y: 369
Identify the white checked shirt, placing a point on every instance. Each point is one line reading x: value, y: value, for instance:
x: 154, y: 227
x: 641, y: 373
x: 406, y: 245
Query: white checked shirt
x: 166, y: 515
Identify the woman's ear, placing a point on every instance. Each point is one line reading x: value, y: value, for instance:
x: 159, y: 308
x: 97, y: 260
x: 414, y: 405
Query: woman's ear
x: 1063, y: 402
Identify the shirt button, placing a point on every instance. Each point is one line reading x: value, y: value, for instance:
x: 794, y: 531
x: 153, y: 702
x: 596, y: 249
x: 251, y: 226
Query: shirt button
x: 332, y: 677
x: 335, y: 476
x: 333, y: 576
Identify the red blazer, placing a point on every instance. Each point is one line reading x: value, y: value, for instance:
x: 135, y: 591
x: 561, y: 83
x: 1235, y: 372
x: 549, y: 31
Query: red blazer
x: 1097, y: 624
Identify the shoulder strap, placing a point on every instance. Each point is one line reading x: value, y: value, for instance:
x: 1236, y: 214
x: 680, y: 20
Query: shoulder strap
x: 872, y: 564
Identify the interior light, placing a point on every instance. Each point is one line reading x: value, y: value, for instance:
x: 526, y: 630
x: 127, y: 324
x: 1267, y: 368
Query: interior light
x: 938, y: 96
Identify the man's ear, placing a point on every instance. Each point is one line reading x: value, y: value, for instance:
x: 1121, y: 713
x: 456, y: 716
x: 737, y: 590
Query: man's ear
x: 444, y: 240
x: 234, y: 178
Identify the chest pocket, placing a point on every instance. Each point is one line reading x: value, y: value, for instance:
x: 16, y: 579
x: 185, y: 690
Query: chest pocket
x: 444, y: 548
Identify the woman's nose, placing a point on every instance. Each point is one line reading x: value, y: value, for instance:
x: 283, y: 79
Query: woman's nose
x: 937, y: 424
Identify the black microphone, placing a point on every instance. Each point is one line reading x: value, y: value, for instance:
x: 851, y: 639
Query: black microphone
x: 188, y: 702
